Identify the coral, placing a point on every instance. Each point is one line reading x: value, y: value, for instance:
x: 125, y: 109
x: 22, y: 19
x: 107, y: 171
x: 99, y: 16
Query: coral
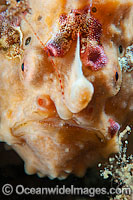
x: 126, y: 62
x: 10, y: 33
x: 63, y: 95
x: 120, y: 167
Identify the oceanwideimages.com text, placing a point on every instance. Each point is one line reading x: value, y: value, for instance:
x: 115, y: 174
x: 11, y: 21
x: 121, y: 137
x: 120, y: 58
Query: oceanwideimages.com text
x: 8, y: 189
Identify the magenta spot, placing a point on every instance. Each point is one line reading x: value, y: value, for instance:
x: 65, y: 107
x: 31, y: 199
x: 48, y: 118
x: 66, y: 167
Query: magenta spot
x: 113, y: 128
x: 54, y: 49
x: 94, y: 57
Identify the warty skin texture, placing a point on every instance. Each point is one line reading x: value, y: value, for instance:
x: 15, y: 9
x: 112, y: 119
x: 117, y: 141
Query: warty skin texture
x: 63, y: 118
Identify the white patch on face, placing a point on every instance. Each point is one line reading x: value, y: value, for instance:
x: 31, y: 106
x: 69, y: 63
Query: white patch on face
x: 80, y: 90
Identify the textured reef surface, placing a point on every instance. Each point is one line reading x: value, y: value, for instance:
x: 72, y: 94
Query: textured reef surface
x: 66, y: 81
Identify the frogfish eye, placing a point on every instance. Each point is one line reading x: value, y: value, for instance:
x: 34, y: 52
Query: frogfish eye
x: 22, y: 67
x: 116, y: 76
x: 120, y: 49
x: 27, y: 41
